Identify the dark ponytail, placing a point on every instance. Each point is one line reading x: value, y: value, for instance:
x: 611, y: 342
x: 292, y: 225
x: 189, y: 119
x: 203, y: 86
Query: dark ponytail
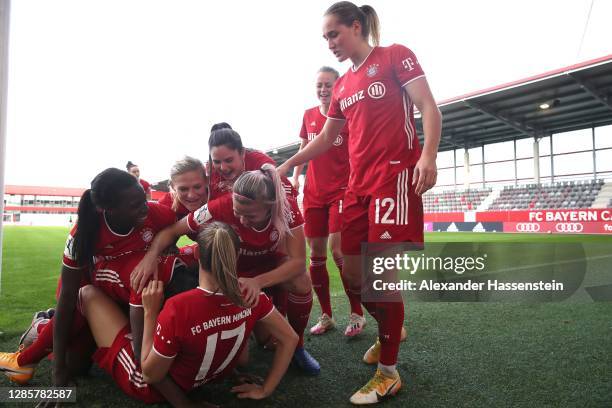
x: 347, y: 13
x: 103, y: 194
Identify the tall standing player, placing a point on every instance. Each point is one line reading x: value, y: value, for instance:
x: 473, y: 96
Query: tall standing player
x: 326, y: 182
x: 389, y: 170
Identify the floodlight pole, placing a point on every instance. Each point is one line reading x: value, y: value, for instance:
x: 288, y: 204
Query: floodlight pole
x: 5, y: 13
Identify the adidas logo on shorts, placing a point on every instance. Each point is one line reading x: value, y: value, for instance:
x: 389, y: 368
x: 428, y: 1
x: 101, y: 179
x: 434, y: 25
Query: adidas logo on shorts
x: 385, y: 235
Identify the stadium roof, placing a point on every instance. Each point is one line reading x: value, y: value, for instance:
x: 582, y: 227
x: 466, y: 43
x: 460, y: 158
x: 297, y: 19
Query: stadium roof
x: 578, y: 96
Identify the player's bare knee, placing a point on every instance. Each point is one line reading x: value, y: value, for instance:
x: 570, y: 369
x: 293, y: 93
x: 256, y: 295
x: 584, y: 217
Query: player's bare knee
x: 87, y: 295
x: 300, y: 284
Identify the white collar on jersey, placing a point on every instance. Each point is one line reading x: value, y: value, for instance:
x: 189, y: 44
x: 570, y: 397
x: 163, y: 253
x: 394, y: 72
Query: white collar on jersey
x: 354, y: 68
x: 210, y: 292
x: 264, y: 228
x: 111, y: 230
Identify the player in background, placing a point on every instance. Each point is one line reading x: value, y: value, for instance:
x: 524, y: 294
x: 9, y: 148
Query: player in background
x: 115, y: 228
x: 181, y: 341
x: 389, y: 171
x: 272, y: 248
x: 134, y: 170
x: 326, y: 181
x: 228, y: 159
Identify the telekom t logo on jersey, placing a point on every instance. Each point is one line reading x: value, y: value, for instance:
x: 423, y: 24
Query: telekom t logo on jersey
x: 408, y: 64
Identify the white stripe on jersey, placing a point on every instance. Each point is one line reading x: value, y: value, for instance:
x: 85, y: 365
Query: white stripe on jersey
x: 401, y: 211
x: 410, y: 131
x: 340, y: 207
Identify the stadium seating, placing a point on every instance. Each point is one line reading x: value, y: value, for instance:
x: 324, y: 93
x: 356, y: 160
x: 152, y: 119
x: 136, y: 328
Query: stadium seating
x: 454, y: 201
x: 566, y: 194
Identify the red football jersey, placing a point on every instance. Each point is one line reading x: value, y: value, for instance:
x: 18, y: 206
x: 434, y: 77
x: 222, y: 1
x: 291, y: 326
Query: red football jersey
x: 167, y: 200
x: 181, y: 211
x: 383, y: 139
x: 205, y: 333
x: 145, y: 185
x: 116, y: 255
x: 111, y: 245
x: 253, y: 160
x: 256, y: 247
x: 327, y: 175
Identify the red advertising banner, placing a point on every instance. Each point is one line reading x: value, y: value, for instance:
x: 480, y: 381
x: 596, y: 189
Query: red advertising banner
x: 573, y: 215
x: 560, y: 227
x: 444, y: 217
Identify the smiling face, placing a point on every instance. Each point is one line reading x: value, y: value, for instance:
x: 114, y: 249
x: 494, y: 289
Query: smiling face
x: 131, y: 210
x: 191, y: 189
x: 342, y: 40
x: 252, y: 214
x: 325, y: 83
x: 228, y: 162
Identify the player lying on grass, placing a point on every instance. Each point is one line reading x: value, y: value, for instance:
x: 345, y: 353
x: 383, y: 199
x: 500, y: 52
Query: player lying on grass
x: 272, y: 247
x: 326, y: 181
x: 115, y: 228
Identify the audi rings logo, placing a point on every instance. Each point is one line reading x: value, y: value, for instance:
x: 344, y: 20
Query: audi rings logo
x: 569, y: 227
x: 527, y: 227
x: 376, y: 90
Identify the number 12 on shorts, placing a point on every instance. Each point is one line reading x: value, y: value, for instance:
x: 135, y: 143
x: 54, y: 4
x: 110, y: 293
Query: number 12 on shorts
x: 389, y: 205
x: 211, y: 346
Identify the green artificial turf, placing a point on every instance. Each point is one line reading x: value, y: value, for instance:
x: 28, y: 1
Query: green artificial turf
x: 456, y: 355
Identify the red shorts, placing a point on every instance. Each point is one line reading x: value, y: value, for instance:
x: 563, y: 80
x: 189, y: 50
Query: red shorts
x: 394, y: 213
x: 113, y: 276
x: 322, y: 221
x: 118, y: 361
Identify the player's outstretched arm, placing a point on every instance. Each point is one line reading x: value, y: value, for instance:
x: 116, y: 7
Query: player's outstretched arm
x: 318, y: 146
x: 425, y: 172
x: 298, y: 169
x: 147, y: 267
x: 64, y: 314
x: 279, y: 328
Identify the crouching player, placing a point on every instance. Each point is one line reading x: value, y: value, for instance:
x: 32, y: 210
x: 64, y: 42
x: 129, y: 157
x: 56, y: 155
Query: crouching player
x: 272, y: 247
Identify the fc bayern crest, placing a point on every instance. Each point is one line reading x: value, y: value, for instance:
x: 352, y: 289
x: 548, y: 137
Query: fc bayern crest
x: 372, y: 70
x: 147, y: 235
x: 274, y: 236
x: 338, y: 141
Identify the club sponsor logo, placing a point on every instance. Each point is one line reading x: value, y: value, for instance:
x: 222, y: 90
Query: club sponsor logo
x: 527, y: 227
x: 569, y: 227
x: 338, y: 141
x: 385, y: 235
x: 376, y: 90
x: 346, y: 102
